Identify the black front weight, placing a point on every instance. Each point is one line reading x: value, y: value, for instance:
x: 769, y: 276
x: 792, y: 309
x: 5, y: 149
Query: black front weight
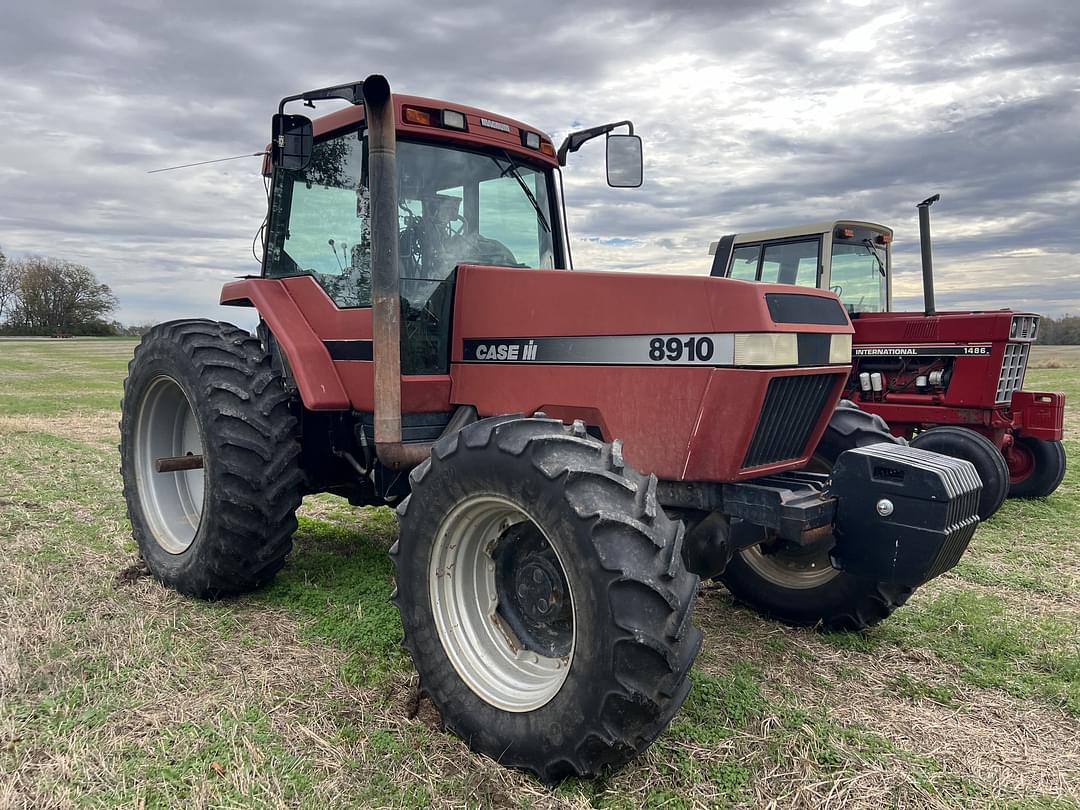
x: 903, y: 515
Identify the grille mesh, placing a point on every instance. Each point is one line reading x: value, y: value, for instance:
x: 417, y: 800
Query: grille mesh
x: 792, y: 408
x: 1013, y: 367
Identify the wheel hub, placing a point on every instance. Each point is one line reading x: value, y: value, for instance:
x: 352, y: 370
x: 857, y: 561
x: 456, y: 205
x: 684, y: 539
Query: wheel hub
x: 532, y: 591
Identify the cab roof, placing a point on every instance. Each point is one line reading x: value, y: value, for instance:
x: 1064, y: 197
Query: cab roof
x: 809, y: 229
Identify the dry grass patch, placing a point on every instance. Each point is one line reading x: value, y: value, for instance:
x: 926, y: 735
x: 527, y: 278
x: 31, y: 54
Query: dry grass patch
x: 96, y: 429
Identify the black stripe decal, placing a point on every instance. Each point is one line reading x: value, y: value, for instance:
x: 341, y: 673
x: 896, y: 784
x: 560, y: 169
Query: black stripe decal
x: 349, y: 349
x: 814, y: 349
x: 966, y: 350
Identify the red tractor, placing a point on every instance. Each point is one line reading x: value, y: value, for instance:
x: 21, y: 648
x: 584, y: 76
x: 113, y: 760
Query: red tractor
x: 951, y: 382
x: 567, y: 451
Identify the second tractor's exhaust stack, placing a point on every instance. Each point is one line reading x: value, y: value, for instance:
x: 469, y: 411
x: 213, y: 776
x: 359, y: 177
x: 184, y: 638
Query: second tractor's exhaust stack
x: 927, y: 253
x: 385, y: 281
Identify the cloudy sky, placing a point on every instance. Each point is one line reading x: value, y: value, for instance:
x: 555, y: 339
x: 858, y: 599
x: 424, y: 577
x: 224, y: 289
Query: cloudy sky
x: 754, y: 114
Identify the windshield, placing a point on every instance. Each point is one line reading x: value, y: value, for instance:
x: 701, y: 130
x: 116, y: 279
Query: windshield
x: 455, y: 206
x: 856, y: 277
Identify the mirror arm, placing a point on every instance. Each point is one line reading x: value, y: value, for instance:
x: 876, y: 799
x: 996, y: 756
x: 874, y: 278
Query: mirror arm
x: 575, y: 140
x: 352, y: 93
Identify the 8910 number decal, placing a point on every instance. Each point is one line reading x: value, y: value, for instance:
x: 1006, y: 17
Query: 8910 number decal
x: 673, y: 349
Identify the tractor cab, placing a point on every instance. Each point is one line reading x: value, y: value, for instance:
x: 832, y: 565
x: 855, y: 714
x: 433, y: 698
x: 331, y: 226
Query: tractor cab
x: 473, y: 188
x: 853, y: 259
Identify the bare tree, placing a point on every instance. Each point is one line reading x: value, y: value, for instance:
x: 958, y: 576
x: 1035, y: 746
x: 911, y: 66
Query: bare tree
x: 7, y: 285
x: 53, y: 296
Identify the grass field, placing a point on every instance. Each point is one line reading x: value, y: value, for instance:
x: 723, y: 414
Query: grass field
x: 117, y: 692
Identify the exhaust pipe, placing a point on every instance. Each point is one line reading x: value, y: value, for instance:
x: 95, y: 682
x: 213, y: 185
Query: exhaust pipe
x: 927, y: 253
x: 385, y: 281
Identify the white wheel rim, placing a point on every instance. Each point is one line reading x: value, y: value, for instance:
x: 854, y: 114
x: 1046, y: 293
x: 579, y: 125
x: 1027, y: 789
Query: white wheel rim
x: 798, y: 570
x: 165, y: 426
x: 795, y: 567
x: 487, y: 655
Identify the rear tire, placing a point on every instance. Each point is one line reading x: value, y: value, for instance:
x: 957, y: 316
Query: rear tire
x: 204, y: 387
x: 960, y: 442
x: 522, y: 502
x: 1047, y: 465
x: 797, y: 584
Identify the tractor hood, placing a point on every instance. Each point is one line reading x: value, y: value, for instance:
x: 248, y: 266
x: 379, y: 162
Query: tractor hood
x: 504, y: 302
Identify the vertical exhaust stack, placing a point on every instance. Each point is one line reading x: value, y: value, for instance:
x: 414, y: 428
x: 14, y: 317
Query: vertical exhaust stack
x: 385, y: 281
x: 927, y: 253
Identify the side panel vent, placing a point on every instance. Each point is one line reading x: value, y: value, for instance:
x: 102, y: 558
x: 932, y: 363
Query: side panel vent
x: 922, y: 330
x: 792, y: 408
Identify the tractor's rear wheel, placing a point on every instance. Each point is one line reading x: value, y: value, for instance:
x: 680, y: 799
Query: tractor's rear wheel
x: 797, y: 584
x: 1036, y: 467
x: 203, y: 388
x: 960, y: 442
x: 544, y: 598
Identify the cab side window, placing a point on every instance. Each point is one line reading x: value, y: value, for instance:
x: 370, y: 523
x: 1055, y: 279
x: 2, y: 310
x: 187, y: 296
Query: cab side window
x: 791, y: 263
x: 744, y: 262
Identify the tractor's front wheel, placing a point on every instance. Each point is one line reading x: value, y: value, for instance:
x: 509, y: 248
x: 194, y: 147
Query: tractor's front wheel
x: 199, y: 389
x: 544, y: 598
x: 961, y: 442
x: 1036, y: 467
x: 797, y: 584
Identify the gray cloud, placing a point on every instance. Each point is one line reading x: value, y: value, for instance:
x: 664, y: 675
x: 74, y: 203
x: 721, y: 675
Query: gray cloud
x: 754, y: 115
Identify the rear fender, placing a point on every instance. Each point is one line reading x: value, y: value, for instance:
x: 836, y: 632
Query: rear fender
x: 316, y: 378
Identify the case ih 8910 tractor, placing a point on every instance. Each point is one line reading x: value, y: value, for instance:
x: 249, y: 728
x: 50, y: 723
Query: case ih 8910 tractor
x: 567, y: 451
x: 951, y: 382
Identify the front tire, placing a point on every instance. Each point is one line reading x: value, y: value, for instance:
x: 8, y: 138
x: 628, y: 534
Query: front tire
x: 1042, y: 465
x: 797, y: 584
x: 960, y: 442
x: 199, y: 387
x: 543, y: 596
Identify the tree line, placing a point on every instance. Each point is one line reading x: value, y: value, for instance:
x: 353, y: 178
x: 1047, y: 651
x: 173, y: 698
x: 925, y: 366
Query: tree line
x: 1063, y: 331
x: 45, y: 296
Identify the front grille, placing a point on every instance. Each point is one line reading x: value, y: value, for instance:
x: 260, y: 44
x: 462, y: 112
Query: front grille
x: 1013, y: 367
x: 792, y: 407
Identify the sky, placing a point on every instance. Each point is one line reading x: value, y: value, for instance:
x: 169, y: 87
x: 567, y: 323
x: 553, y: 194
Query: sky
x: 753, y: 115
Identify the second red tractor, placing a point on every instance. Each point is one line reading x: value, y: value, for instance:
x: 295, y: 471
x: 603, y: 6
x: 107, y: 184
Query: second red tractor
x: 952, y: 382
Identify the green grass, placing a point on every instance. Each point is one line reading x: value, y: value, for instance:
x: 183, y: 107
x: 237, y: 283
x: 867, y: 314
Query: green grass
x: 338, y: 583
x: 1029, y: 657
x: 120, y: 695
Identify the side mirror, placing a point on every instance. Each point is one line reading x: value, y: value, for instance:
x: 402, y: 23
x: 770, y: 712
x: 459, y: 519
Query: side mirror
x: 624, y: 163
x: 290, y: 147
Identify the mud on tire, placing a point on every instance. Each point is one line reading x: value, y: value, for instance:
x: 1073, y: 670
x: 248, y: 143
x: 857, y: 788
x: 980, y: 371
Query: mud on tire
x: 798, y: 586
x: 627, y: 639
x: 205, y: 385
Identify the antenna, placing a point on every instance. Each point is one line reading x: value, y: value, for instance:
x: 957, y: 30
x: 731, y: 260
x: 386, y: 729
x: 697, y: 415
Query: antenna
x: 204, y: 162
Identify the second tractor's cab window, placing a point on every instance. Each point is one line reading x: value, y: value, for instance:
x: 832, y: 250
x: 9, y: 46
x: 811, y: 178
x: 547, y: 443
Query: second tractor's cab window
x: 791, y: 263
x: 859, y: 267
x: 857, y: 277
x: 744, y: 262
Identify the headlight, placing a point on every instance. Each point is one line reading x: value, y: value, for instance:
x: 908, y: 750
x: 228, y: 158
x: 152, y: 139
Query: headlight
x: 840, y: 349
x: 767, y: 349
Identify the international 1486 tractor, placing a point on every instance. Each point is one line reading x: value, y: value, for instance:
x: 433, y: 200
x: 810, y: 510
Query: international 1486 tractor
x: 567, y: 451
x: 951, y: 382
